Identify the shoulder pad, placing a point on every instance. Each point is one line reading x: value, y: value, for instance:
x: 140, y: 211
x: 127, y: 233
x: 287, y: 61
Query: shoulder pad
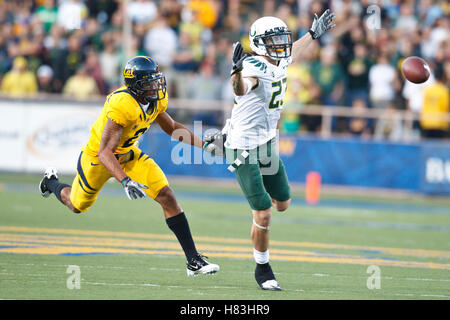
x: 257, y: 64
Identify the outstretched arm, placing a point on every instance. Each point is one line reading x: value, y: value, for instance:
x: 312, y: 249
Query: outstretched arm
x: 300, y: 45
x: 178, y: 131
x: 318, y: 28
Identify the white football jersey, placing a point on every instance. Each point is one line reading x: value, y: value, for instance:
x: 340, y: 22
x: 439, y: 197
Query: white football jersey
x: 255, y: 115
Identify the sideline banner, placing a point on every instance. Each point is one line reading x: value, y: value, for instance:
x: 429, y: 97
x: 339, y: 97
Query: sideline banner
x: 36, y: 135
x: 12, y: 137
x: 353, y: 162
x: 33, y: 137
x: 348, y: 162
x: 435, y: 171
x: 420, y: 167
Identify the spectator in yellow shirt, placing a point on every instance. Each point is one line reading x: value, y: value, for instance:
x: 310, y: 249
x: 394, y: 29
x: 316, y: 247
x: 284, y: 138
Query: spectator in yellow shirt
x: 435, y: 110
x: 81, y: 85
x: 204, y: 11
x: 302, y: 91
x: 19, y: 81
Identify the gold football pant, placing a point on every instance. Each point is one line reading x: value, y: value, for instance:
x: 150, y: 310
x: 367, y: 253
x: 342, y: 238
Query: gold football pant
x: 92, y: 175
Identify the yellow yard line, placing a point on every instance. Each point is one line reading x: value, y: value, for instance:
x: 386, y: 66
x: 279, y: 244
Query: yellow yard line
x: 150, y: 236
x: 8, y: 239
x: 87, y: 232
x: 70, y: 250
x: 377, y: 262
x: 381, y: 250
x: 83, y: 250
x: 339, y: 260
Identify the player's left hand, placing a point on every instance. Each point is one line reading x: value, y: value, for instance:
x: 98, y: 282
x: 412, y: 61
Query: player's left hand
x: 322, y: 24
x: 215, y: 142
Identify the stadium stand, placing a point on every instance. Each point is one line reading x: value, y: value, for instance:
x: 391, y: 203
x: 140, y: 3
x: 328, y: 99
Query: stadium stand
x: 63, y: 43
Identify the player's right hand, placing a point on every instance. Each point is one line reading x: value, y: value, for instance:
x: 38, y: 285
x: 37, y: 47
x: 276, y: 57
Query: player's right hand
x: 238, y: 57
x: 215, y: 142
x: 133, y: 189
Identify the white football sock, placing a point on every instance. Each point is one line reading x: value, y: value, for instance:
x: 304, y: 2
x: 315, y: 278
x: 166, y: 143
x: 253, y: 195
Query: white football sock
x: 261, y: 257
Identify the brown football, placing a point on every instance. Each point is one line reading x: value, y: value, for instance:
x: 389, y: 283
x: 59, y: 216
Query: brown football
x: 415, y: 69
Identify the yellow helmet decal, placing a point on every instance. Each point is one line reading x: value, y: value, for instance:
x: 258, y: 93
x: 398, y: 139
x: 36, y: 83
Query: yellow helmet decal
x: 128, y: 73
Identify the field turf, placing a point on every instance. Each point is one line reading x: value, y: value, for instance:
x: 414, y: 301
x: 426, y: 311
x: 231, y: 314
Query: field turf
x: 124, y: 249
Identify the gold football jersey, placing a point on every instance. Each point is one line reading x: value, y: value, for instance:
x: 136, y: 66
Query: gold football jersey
x: 122, y: 108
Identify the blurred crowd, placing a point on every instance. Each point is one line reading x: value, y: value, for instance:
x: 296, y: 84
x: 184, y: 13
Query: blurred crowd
x: 77, y: 48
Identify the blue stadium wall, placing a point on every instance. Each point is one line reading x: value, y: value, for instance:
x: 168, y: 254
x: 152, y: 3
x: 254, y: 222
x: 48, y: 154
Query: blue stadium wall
x: 422, y: 167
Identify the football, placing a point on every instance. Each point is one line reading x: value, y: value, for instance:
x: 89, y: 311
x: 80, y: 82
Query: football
x: 415, y: 69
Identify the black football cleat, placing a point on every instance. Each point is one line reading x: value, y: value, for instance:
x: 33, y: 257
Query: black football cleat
x: 198, y: 265
x: 50, y: 173
x: 265, y: 277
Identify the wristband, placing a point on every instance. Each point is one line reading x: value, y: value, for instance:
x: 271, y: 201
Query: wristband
x: 124, y: 180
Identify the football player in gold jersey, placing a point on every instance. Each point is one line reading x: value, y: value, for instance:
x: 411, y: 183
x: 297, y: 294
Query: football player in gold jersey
x: 111, y: 152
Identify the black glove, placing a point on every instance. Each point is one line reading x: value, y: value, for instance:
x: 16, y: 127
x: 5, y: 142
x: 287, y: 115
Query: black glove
x: 133, y: 189
x: 322, y: 24
x: 215, y: 142
x: 238, y: 57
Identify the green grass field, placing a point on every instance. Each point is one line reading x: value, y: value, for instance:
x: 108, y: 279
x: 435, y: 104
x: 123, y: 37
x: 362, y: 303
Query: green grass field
x: 124, y: 249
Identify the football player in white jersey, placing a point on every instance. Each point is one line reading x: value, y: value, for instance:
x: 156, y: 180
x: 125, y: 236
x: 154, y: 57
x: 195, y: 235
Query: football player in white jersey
x: 259, y: 85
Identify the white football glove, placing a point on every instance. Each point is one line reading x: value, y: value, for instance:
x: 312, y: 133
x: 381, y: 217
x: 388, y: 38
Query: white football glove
x: 133, y: 189
x: 214, y: 142
x: 322, y: 24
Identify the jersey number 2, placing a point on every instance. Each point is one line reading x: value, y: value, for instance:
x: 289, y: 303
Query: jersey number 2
x: 279, y: 88
x: 130, y: 142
